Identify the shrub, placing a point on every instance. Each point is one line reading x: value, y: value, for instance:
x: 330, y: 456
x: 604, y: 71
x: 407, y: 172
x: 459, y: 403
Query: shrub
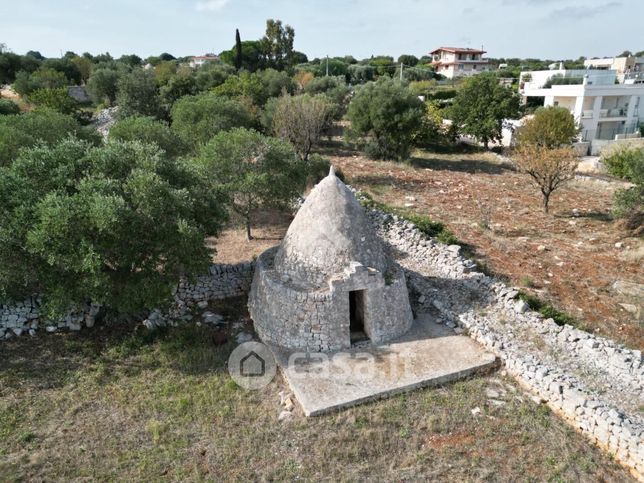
x: 300, y: 120
x: 431, y: 131
x: 560, y: 80
x: 8, y: 107
x: 547, y: 310
x: 624, y: 160
x: 56, y: 99
x: 628, y: 162
x: 102, y: 85
x: 150, y: 131
x: 551, y: 127
x: 254, y: 170
x: 137, y: 94
x: 117, y: 225
x: 198, y: 118
x: 45, y: 126
x: 385, y: 117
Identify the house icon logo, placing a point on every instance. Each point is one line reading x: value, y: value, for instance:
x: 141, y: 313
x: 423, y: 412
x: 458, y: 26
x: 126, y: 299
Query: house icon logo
x: 252, y: 365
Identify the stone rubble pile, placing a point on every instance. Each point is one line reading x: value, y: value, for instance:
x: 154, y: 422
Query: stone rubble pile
x: 104, y: 120
x: 223, y: 281
x: 594, y: 383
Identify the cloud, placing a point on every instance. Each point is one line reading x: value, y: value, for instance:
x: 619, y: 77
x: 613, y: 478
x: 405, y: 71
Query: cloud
x: 210, y: 5
x: 578, y: 12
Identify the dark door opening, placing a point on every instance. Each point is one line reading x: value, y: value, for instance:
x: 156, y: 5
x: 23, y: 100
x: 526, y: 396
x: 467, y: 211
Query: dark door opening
x: 356, y: 316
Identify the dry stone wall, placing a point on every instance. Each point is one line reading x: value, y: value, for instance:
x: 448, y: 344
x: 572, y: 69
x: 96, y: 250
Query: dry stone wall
x: 594, y: 383
x: 222, y: 281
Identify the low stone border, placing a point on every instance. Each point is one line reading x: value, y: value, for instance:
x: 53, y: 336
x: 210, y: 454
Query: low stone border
x: 223, y: 281
x: 592, y: 382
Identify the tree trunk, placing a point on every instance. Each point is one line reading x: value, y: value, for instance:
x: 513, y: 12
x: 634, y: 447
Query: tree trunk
x: 546, y: 200
x: 249, y: 237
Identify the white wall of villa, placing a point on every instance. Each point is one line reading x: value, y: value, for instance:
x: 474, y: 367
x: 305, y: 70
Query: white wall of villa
x: 606, y: 111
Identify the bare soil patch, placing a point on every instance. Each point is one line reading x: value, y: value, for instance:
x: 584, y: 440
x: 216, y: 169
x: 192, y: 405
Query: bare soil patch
x: 268, y: 229
x: 568, y: 258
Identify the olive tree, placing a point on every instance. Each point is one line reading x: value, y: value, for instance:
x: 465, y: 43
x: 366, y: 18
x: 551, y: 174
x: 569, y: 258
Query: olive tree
x: 301, y: 120
x: 43, y: 126
x: 118, y: 225
x: 137, y: 94
x: 102, y: 85
x: 149, y: 131
x: 198, y: 118
x: 385, y: 117
x: 481, y: 105
x: 254, y: 170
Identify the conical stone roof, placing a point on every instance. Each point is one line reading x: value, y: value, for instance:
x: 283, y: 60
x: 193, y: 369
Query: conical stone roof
x: 330, y: 230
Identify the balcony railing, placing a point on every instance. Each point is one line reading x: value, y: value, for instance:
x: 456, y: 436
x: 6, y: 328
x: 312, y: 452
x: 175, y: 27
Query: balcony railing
x: 617, y: 112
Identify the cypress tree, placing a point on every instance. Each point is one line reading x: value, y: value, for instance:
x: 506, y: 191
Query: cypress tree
x: 238, y: 50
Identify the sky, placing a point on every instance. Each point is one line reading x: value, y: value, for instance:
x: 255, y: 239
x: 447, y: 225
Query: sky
x: 554, y: 29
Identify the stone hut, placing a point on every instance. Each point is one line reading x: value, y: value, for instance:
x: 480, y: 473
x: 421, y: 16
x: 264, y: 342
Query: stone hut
x: 331, y: 282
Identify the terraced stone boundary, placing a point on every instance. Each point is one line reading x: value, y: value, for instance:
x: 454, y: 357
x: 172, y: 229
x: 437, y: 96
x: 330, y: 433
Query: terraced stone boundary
x: 593, y: 383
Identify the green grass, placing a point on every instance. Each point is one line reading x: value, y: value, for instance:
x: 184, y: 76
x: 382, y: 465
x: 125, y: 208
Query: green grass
x: 547, y: 310
x: 122, y: 404
x: 427, y: 226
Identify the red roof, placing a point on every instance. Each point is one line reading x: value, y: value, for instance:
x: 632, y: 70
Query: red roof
x: 459, y: 50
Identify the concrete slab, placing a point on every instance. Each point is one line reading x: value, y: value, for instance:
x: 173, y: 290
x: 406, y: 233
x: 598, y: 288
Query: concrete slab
x: 429, y: 354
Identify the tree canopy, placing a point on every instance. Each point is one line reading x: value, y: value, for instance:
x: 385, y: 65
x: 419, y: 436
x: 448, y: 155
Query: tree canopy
x: 550, y: 127
x: 198, y: 118
x: 116, y: 225
x: 481, y: 105
x: 253, y: 169
x: 385, y: 117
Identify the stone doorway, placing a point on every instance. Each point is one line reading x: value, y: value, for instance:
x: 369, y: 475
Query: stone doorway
x: 356, y: 316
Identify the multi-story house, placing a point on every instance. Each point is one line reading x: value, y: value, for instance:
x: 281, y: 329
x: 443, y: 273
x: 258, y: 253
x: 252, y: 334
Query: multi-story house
x: 458, y: 62
x: 200, y: 60
x: 605, y: 110
x: 628, y: 69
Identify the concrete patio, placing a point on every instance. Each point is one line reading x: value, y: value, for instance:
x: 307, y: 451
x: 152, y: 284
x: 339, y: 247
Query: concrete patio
x: 429, y: 354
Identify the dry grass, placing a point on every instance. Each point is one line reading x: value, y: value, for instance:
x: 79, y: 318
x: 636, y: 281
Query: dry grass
x: 124, y: 404
x: 269, y: 227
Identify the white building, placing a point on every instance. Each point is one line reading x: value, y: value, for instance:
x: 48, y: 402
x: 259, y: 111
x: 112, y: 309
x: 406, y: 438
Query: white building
x: 458, y: 62
x: 605, y: 110
x: 627, y: 68
x: 200, y: 60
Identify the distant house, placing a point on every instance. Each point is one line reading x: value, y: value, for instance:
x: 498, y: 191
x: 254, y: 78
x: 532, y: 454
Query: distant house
x: 200, y: 60
x: 606, y: 111
x: 458, y: 62
x: 627, y: 68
